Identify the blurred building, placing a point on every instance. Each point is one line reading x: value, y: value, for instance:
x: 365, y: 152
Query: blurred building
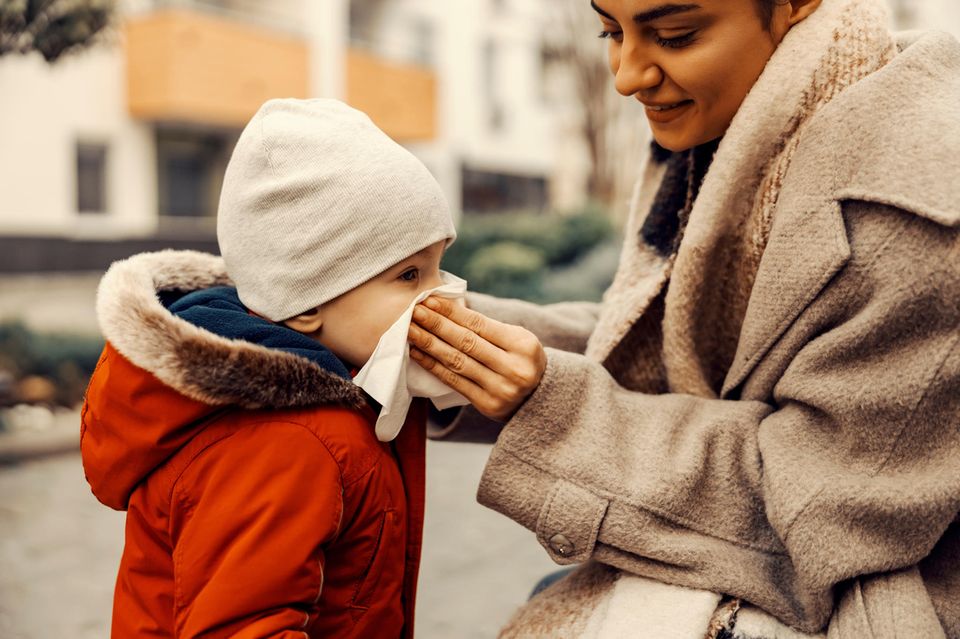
x: 927, y: 14
x: 122, y: 147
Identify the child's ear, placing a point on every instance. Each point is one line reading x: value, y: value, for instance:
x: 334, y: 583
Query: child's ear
x: 308, y: 322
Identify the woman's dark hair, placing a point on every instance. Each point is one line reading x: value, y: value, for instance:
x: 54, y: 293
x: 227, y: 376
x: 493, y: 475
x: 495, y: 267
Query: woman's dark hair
x: 766, y: 7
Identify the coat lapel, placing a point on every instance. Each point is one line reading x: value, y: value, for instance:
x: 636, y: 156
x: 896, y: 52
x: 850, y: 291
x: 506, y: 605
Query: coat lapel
x: 804, y: 253
x: 641, y: 274
x: 843, y: 159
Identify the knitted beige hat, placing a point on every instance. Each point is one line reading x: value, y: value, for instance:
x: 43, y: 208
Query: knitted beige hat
x: 317, y: 200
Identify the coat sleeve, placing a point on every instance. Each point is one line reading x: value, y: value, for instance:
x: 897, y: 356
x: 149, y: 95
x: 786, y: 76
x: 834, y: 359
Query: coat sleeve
x: 565, y: 326
x: 852, y: 467
x: 250, y: 519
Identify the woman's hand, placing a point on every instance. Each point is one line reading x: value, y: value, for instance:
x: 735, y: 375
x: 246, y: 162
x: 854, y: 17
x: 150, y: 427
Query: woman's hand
x: 494, y: 365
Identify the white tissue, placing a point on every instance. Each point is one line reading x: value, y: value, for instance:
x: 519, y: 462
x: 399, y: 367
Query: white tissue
x: 391, y: 378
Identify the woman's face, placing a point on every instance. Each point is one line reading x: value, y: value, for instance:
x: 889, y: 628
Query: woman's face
x: 691, y: 62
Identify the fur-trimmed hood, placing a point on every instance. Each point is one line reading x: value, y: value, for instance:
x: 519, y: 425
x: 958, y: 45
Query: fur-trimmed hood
x: 161, y: 376
x: 196, y: 362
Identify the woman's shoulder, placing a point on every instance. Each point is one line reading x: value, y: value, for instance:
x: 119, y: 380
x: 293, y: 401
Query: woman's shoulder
x: 893, y: 138
x: 920, y: 85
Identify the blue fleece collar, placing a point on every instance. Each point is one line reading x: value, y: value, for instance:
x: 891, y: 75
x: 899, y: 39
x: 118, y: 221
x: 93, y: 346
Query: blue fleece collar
x: 220, y: 311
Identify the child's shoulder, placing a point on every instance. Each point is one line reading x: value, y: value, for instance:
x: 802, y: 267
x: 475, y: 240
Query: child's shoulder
x: 270, y: 440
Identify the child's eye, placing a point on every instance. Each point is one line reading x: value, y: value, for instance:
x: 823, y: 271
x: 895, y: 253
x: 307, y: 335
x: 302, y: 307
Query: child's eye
x: 410, y: 275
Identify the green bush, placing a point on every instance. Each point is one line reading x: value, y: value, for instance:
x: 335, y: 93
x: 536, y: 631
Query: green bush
x: 561, y: 239
x: 582, y: 234
x: 66, y: 360
x: 506, y: 269
x: 510, y: 254
x: 586, y: 279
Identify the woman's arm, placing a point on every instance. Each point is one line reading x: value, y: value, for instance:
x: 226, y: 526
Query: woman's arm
x: 852, y: 467
x: 565, y: 325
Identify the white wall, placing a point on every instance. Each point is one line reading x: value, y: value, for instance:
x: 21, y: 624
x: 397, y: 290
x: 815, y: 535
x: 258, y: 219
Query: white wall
x: 325, y: 25
x: 44, y: 112
x: 46, y: 109
x: 927, y: 14
x: 525, y: 142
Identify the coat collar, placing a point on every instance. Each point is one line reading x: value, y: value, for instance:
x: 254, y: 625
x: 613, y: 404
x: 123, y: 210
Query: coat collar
x: 193, y: 361
x: 850, y: 34
x: 876, y: 142
x: 896, y: 136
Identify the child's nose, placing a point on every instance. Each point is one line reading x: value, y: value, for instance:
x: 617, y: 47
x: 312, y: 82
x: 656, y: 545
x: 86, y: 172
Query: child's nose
x: 432, y: 282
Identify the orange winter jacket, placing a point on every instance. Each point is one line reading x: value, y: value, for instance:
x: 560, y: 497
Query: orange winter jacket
x: 259, y: 501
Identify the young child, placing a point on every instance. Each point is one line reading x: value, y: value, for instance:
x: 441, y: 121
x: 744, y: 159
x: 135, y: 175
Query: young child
x: 222, y: 416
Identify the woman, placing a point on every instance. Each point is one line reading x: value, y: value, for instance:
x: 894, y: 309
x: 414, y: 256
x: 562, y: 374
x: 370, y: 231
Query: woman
x: 765, y: 407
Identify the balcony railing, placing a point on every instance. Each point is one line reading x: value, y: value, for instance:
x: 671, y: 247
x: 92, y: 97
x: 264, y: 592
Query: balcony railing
x: 188, y: 65
x: 400, y: 97
x: 281, y: 15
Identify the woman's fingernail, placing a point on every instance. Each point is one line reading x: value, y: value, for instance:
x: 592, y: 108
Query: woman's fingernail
x: 432, y: 303
x: 419, y: 313
x: 415, y: 354
x: 413, y: 332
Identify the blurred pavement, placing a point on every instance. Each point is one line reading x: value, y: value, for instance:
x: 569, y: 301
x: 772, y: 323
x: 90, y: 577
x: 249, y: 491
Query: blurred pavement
x: 59, y: 550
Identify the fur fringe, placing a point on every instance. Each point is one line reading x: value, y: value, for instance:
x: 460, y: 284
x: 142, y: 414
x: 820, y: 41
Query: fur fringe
x: 195, y: 362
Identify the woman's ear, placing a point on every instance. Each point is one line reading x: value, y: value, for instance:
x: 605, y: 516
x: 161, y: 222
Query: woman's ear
x: 308, y: 322
x: 788, y: 13
x: 801, y: 9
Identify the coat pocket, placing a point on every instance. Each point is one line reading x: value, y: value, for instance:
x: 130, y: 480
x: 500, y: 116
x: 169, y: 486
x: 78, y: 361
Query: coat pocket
x: 372, y: 575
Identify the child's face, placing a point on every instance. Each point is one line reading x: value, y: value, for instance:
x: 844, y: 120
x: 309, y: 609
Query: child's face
x: 354, y: 322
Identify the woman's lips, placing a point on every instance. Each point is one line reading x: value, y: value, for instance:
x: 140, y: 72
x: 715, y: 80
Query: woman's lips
x: 668, y: 113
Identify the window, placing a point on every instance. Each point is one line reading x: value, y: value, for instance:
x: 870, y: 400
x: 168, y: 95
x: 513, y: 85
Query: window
x: 190, y: 168
x: 905, y: 14
x: 391, y: 32
x: 91, y: 177
x: 491, y: 192
x: 553, y: 57
x: 421, y: 33
x: 495, y: 110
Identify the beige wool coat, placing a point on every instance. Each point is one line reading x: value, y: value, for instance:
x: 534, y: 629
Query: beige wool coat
x: 822, y: 485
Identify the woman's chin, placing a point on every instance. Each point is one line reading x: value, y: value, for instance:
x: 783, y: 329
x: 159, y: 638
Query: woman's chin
x: 673, y: 142
x: 683, y: 140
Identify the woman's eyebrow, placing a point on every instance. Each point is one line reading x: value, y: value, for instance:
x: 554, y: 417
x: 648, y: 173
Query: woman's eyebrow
x: 661, y: 11
x: 601, y: 11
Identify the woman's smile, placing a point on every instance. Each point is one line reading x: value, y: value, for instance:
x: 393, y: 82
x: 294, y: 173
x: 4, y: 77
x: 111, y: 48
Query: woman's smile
x: 666, y: 113
x: 711, y: 52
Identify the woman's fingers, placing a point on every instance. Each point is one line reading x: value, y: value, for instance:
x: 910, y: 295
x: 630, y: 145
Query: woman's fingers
x: 461, y: 337
x: 510, y: 350
x: 454, y: 380
x: 494, y: 332
x: 455, y: 361
x: 496, y: 406
x: 455, y: 345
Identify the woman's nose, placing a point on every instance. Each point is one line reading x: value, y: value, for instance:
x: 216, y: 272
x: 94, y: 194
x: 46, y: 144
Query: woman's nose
x: 635, y: 72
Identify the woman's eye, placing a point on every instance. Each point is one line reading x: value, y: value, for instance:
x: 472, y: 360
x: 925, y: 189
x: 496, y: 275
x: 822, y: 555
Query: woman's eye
x: 675, y: 42
x: 411, y: 275
x: 616, y: 36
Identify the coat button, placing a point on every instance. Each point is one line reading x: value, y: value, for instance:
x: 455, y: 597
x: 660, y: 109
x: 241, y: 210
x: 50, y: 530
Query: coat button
x: 561, y: 545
